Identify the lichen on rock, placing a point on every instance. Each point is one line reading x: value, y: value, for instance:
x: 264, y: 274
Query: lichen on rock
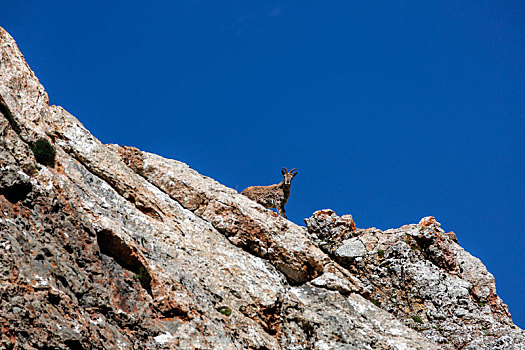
x: 421, y: 275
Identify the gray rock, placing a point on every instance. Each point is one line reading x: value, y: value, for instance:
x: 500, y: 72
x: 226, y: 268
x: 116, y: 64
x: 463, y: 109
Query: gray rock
x: 421, y: 275
x: 351, y: 249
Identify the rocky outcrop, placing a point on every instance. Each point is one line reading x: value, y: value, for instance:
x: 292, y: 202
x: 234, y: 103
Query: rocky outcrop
x: 114, y: 248
x: 421, y: 275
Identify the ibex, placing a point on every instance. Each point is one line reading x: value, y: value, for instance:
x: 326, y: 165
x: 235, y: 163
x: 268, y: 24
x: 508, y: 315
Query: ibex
x: 273, y: 196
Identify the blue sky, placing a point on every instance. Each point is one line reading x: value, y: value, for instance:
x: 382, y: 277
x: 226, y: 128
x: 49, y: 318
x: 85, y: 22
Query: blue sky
x: 390, y: 110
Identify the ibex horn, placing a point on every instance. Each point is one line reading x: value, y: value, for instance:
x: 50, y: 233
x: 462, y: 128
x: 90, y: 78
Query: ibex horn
x: 284, y: 170
x: 293, y: 170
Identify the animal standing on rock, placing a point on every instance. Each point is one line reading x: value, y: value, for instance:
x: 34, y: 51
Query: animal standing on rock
x: 273, y: 196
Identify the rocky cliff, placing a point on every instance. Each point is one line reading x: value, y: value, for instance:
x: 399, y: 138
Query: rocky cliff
x: 108, y: 247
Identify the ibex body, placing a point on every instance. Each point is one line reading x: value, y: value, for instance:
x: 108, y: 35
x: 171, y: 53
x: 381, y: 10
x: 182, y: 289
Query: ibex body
x: 273, y: 196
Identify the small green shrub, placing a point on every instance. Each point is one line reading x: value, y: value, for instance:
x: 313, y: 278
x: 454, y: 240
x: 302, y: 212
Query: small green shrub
x: 225, y: 310
x: 380, y: 253
x: 417, y: 319
x: 144, y: 277
x: 375, y: 302
x: 412, y: 243
x: 44, y: 152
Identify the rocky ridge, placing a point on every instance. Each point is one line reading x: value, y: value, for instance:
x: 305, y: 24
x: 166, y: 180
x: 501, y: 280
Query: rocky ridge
x: 113, y: 248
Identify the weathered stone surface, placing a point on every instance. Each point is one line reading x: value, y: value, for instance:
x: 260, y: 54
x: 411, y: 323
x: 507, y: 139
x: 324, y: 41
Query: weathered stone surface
x: 23, y: 100
x: 326, y: 229
x: 114, y: 248
x: 246, y: 223
x: 15, y: 185
x: 422, y: 276
x: 351, y: 249
x: 334, y: 321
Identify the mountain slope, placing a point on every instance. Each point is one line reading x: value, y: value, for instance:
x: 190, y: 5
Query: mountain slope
x: 112, y: 247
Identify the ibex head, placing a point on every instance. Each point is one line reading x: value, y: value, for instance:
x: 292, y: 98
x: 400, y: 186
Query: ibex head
x: 288, y: 176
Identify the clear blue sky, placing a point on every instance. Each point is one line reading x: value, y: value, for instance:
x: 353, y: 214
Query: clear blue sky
x: 391, y: 110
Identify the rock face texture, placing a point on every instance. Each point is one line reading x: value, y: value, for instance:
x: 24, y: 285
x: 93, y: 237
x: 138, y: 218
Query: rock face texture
x: 114, y: 248
x: 421, y: 275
